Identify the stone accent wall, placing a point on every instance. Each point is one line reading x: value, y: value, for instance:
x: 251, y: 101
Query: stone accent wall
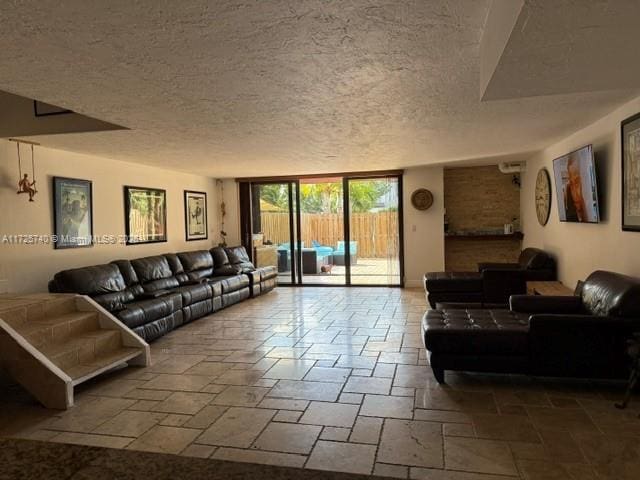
x: 479, y: 198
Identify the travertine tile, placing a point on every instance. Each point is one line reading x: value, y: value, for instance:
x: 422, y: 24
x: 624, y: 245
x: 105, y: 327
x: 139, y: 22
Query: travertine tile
x: 288, y: 438
x: 320, y: 374
x: 186, y: 403
x: 237, y: 427
x: 330, y: 414
x: 175, y: 420
x: 255, y: 456
x: 386, y: 406
x: 92, y: 440
x: 187, y: 383
x: 205, y: 417
x: 366, y: 430
x: 410, y: 442
x: 288, y: 416
x: 457, y: 400
x: 393, y: 471
x: 130, y: 423
x: 241, y: 396
x: 165, y: 439
x: 381, y: 386
x: 338, y: 434
x: 342, y: 457
x: 288, y: 369
x: 239, y: 377
x: 476, y: 455
x: 569, y: 419
x: 198, y: 451
x: 209, y: 369
x: 284, y: 404
x: 505, y: 427
x: 303, y: 390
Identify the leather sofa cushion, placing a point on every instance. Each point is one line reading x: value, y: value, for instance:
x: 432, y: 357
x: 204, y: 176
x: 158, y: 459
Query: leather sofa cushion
x: 114, y: 301
x: 239, y: 258
x: 127, y: 271
x: 194, y: 293
x: 453, y: 282
x: 268, y: 272
x: 92, y: 281
x: 160, y: 327
x: 152, y: 268
x: 196, y: 260
x: 220, y: 258
x: 476, y: 332
x: 231, y: 284
x: 144, y: 311
x: 227, y: 270
x: 237, y: 254
x: 174, y: 263
x: 611, y: 294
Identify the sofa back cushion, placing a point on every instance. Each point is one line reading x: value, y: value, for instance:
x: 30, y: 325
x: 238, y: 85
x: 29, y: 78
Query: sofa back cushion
x: 154, y: 273
x: 239, y: 258
x: 94, y: 280
x: 611, y: 294
x: 221, y: 264
x: 535, y: 259
x: 197, y: 264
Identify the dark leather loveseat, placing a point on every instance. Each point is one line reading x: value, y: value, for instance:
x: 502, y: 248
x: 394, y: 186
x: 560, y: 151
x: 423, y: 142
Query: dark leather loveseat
x: 493, y: 283
x: 153, y: 295
x: 576, y: 336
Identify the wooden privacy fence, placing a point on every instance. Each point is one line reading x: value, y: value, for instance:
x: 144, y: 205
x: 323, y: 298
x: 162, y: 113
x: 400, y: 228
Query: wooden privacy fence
x: 376, y: 233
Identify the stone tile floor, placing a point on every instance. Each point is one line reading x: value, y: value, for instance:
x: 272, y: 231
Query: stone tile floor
x: 337, y: 379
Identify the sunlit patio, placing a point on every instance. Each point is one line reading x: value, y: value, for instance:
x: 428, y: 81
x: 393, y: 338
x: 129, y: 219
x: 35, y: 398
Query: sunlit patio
x: 367, y: 271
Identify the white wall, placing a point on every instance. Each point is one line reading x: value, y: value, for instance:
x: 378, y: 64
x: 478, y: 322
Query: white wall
x: 423, y: 230
x: 27, y: 268
x: 583, y: 248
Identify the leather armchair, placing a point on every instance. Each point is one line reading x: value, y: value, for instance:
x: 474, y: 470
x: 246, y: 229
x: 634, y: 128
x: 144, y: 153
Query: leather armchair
x: 536, y: 264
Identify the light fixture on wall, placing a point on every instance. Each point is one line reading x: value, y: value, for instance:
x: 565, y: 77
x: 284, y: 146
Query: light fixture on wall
x: 24, y: 184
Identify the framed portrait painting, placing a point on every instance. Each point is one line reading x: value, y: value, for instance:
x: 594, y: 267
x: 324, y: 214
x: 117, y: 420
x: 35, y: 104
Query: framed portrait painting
x: 630, y: 129
x: 72, y: 213
x: 145, y: 211
x: 195, y: 215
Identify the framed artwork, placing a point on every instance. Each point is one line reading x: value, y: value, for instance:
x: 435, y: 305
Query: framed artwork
x: 630, y: 129
x: 72, y: 213
x: 145, y: 212
x: 195, y: 215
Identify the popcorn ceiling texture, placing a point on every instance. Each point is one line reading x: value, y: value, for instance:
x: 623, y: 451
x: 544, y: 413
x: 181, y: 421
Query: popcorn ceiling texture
x: 233, y: 88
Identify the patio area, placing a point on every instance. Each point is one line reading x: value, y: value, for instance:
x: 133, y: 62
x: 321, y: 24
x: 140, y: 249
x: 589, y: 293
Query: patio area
x: 367, y: 271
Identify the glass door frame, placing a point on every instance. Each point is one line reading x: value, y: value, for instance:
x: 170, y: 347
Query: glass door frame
x: 295, y: 221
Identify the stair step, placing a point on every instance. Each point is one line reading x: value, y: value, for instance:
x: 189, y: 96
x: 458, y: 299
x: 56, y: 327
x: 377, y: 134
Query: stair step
x: 82, y: 347
x: 58, y: 328
x: 101, y: 363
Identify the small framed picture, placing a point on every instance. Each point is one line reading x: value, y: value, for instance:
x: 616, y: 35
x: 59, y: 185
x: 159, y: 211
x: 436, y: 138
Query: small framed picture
x: 72, y: 213
x: 195, y: 215
x: 145, y: 211
x: 630, y: 129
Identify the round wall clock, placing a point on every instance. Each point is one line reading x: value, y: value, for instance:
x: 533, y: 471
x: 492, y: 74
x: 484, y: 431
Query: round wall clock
x: 422, y: 199
x: 543, y: 196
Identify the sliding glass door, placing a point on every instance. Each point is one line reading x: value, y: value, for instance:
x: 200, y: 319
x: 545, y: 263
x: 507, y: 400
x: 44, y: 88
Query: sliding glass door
x: 273, y: 228
x: 329, y: 230
x: 374, y: 231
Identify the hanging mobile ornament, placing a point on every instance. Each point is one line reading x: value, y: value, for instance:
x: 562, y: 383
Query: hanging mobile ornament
x: 24, y: 184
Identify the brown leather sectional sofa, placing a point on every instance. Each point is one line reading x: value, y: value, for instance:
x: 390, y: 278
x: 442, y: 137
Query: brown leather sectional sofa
x: 153, y: 295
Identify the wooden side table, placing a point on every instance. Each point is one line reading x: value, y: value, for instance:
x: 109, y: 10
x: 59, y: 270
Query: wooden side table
x: 549, y: 288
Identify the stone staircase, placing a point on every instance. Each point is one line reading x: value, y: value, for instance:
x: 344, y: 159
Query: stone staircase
x: 50, y: 343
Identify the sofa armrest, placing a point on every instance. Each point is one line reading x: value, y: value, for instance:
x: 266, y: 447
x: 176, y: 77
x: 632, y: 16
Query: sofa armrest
x: 155, y: 294
x: 546, y: 304
x: 498, y: 266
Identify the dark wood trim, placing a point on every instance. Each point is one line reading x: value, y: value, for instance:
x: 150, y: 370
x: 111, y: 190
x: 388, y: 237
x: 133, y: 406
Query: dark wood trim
x: 186, y: 217
x: 401, y: 227
x: 285, y: 178
x: 291, y: 236
x: 298, y: 216
x: 485, y: 236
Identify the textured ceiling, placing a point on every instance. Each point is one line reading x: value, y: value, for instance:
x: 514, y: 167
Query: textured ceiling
x: 232, y: 88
